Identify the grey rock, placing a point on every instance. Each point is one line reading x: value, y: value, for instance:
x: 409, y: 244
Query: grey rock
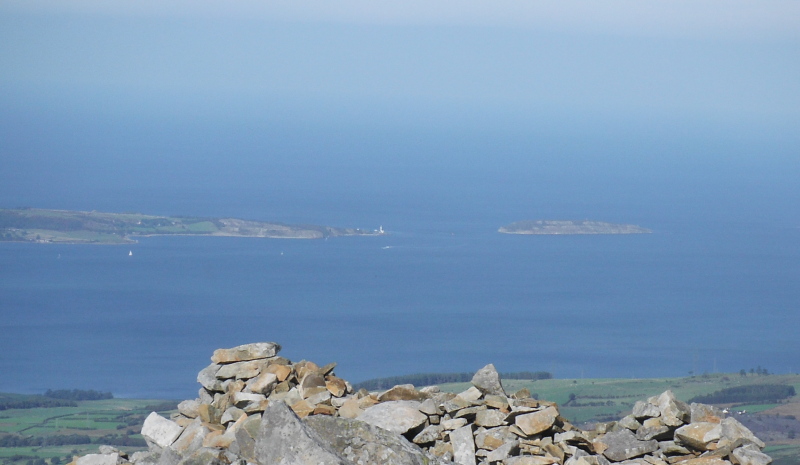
x: 188, y: 408
x: 488, y: 381
x: 705, y: 413
x: 733, y: 430
x: 428, y: 435
x: 747, y: 455
x: 429, y: 407
x: 672, y: 448
x: 203, y: 456
x: 204, y: 396
x: 398, y: 416
x: 207, y: 377
x: 283, y: 439
x: 246, y: 352
x: 623, y: 445
x: 463, y: 445
x: 160, y: 431
x: 673, y: 411
x: 98, y: 459
x: 537, y: 422
x: 191, y: 438
x: 646, y: 433
x: 144, y: 457
x: 454, y: 423
x: 471, y: 395
x: 169, y: 457
x: 630, y: 422
x: 246, y: 438
x: 241, y: 370
x: 642, y: 409
x: 490, y: 418
x: 503, y: 452
x: 361, y: 443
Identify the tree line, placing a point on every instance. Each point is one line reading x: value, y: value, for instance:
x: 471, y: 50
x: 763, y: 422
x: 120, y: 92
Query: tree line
x: 78, y: 394
x: 759, y: 393
x: 430, y: 379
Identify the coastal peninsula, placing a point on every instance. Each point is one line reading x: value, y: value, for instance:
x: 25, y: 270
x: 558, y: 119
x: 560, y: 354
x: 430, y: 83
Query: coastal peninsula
x: 562, y: 227
x: 79, y: 227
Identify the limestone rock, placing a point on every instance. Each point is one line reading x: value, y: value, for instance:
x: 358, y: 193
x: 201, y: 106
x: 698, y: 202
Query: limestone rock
x: 98, y: 459
x: 402, y: 392
x: 630, y: 422
x: 536, y: 422
x: 246, y: 352
x: 693, y: 435
x: 350, y: 409
x: 463, y: 445
x: 705, y: 413
x: 263, y: 383
x: 487, y: 379
x: 191, y: 438
x: 336, y: 386
x: 398, y: 416
x: 361, y: 443
x: 207, y: 377
x: 673, y: 411
x: 490, y: 418
x: 642, y: 409
x: 240, y: 370
x: 623, y: 445
x: 733, y: 430
x: 532, y: 460
x: 160, y: 431
x: 471, y: 395
x: 283, y: 439
x: 503, y: 452
x: 750, y: 455
x: 188, y: 408
x: 430, y: 434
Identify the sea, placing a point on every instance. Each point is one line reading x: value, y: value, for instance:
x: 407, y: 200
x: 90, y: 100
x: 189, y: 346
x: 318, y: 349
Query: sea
x: 714, y: 288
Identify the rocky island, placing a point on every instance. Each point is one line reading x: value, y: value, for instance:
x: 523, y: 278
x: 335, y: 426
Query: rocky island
x: 79, y: 227
x: 571, y: 227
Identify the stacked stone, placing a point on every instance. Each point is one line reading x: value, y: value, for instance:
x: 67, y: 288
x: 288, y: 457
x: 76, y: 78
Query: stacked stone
x: 255, y: 407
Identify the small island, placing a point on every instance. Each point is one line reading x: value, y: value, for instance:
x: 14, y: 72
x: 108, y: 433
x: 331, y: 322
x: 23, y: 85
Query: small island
x: 571, y: 227
x: 79, y: 227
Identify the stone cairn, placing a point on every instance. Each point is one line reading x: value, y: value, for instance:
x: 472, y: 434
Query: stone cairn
x: 256, y: 408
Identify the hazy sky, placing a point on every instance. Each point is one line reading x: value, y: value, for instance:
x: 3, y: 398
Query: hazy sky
x: 83, y: 80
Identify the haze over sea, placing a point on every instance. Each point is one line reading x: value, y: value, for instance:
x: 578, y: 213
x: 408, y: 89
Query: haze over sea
x: 440, y: 134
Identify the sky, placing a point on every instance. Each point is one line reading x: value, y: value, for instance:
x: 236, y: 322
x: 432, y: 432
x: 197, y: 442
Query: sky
x: 107, y: 84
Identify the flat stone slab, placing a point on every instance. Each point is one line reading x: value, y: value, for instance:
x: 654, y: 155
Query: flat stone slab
x: 246, y: 352
x: 398, y: 416
x: 160, y: 431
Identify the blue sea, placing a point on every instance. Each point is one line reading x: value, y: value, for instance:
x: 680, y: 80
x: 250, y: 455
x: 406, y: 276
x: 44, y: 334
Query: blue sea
x: 714, y: 288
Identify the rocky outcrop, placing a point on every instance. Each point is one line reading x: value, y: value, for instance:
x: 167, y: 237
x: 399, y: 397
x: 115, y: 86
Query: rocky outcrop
x: 257, y: 408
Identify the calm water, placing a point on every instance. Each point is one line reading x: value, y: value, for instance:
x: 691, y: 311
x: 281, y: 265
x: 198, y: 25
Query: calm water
x: 447, y: 300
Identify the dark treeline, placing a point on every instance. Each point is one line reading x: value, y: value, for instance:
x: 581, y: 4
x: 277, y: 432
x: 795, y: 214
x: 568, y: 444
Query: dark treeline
x: 78, y: 394
x: 33, y: 402
x: 16, y: 440
x: 766, y: 393
x: 429, y: 379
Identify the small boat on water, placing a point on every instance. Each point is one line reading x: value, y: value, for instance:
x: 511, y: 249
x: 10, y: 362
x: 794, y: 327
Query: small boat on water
x: 130, y: 253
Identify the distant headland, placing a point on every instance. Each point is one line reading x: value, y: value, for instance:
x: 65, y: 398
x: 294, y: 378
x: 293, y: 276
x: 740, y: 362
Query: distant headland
x: 79, y: 227
x: 571, y: 227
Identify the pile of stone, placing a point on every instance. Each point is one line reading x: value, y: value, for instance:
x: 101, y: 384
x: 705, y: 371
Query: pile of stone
x: 255, y: 407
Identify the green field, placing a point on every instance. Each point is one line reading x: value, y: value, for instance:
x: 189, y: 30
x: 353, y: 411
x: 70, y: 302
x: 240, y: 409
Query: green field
x: 91, y: 423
